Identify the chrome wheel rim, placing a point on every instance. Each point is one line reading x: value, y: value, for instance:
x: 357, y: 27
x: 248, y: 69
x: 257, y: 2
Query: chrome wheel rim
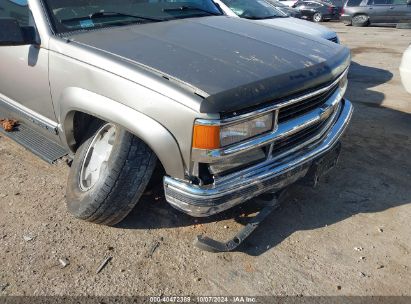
x: 317, y: 17
x: 97, y: 156
x: 360, y: 18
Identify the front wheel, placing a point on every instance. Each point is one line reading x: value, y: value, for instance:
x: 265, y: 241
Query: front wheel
x: 317, y: 17
x: 360, y: 20
x: 109, y: 173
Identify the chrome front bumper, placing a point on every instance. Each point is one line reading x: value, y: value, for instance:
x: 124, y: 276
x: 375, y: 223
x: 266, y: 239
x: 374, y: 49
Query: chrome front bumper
x: 270, y: 175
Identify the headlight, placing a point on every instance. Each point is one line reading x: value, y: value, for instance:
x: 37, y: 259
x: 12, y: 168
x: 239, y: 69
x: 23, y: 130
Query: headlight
x: 231, y: 134
x: 216, y: 136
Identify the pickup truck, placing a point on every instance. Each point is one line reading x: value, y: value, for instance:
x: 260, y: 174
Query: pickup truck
x: 231, y: 109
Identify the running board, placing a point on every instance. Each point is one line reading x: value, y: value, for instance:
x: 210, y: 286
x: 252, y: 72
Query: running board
x: 36, y: 143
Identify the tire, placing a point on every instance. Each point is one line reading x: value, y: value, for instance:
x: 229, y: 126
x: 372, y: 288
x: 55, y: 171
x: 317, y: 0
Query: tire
x: 360, y: 20
x: 317, y: 17
x: 113, y: 192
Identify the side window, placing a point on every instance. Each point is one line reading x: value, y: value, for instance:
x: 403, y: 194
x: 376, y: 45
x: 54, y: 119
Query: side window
x: 380, y: 2
x: 356, y: 2
x: 399, y: 2
x: 17, y: 9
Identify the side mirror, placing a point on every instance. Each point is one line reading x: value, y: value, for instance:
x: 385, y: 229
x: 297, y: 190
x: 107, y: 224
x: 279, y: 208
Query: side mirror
x: 408, y: 2
x: 11, y: 33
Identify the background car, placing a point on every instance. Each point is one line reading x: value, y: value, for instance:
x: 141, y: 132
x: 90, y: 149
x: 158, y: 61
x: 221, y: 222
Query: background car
x: 289, y: 3
x: 18, y: 9
x: 366, y: 12
x: 405, y: 70
x: 339, y: 4
x: 317, y: 11
x: 262, y: 11
x: 292, y: 12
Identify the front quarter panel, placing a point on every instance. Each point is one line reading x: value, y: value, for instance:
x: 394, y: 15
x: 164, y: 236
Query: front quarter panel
x: 164, y: 123
x: 153, y: 133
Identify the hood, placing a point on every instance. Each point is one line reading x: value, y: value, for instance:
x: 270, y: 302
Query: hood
x: 301, y: 26
x: 233, y: 63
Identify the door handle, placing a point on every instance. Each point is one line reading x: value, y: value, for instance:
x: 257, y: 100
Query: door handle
x: 391, y: 7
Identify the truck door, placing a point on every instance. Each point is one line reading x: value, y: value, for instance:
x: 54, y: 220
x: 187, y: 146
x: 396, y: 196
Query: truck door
x: 24, y: 79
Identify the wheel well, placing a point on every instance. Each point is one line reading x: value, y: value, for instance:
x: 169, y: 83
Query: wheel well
x: 81, y: 123
x: 359, y: 14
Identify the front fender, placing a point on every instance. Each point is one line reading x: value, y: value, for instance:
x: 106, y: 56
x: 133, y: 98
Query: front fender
x: 155, y: 135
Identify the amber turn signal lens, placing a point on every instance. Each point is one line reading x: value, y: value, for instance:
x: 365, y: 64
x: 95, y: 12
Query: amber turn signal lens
x: 206, y: 137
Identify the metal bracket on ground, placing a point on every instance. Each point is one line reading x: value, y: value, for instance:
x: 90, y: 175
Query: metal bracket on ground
x: 208, y: 244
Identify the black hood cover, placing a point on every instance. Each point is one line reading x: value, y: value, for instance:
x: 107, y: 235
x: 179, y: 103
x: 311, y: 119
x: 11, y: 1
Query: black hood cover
x: 233, y: 63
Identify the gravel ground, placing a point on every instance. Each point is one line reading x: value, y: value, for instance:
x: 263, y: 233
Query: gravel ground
x: 349, y: 236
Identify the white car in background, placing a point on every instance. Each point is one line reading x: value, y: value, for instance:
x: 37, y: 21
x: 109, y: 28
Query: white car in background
x: 405, y: 69
x: 262, y: 11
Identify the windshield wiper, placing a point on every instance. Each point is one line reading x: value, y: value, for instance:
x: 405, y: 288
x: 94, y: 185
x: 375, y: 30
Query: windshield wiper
x: 111, y: 14
x: 190, y: 8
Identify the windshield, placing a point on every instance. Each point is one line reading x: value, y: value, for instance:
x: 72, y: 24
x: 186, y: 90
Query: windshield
x: 72, y: 15
x: 253, y: 9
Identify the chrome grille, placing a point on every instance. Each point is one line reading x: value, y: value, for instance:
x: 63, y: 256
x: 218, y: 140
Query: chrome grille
x: 296, y: 139
x: 305, y: 106
x: 292, y: 115
x: 307, y: 136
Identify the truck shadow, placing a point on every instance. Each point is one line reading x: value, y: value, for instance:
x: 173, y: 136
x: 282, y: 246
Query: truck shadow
x: 363, y: 79
x: 375, y: 151
x: 381, y: 169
